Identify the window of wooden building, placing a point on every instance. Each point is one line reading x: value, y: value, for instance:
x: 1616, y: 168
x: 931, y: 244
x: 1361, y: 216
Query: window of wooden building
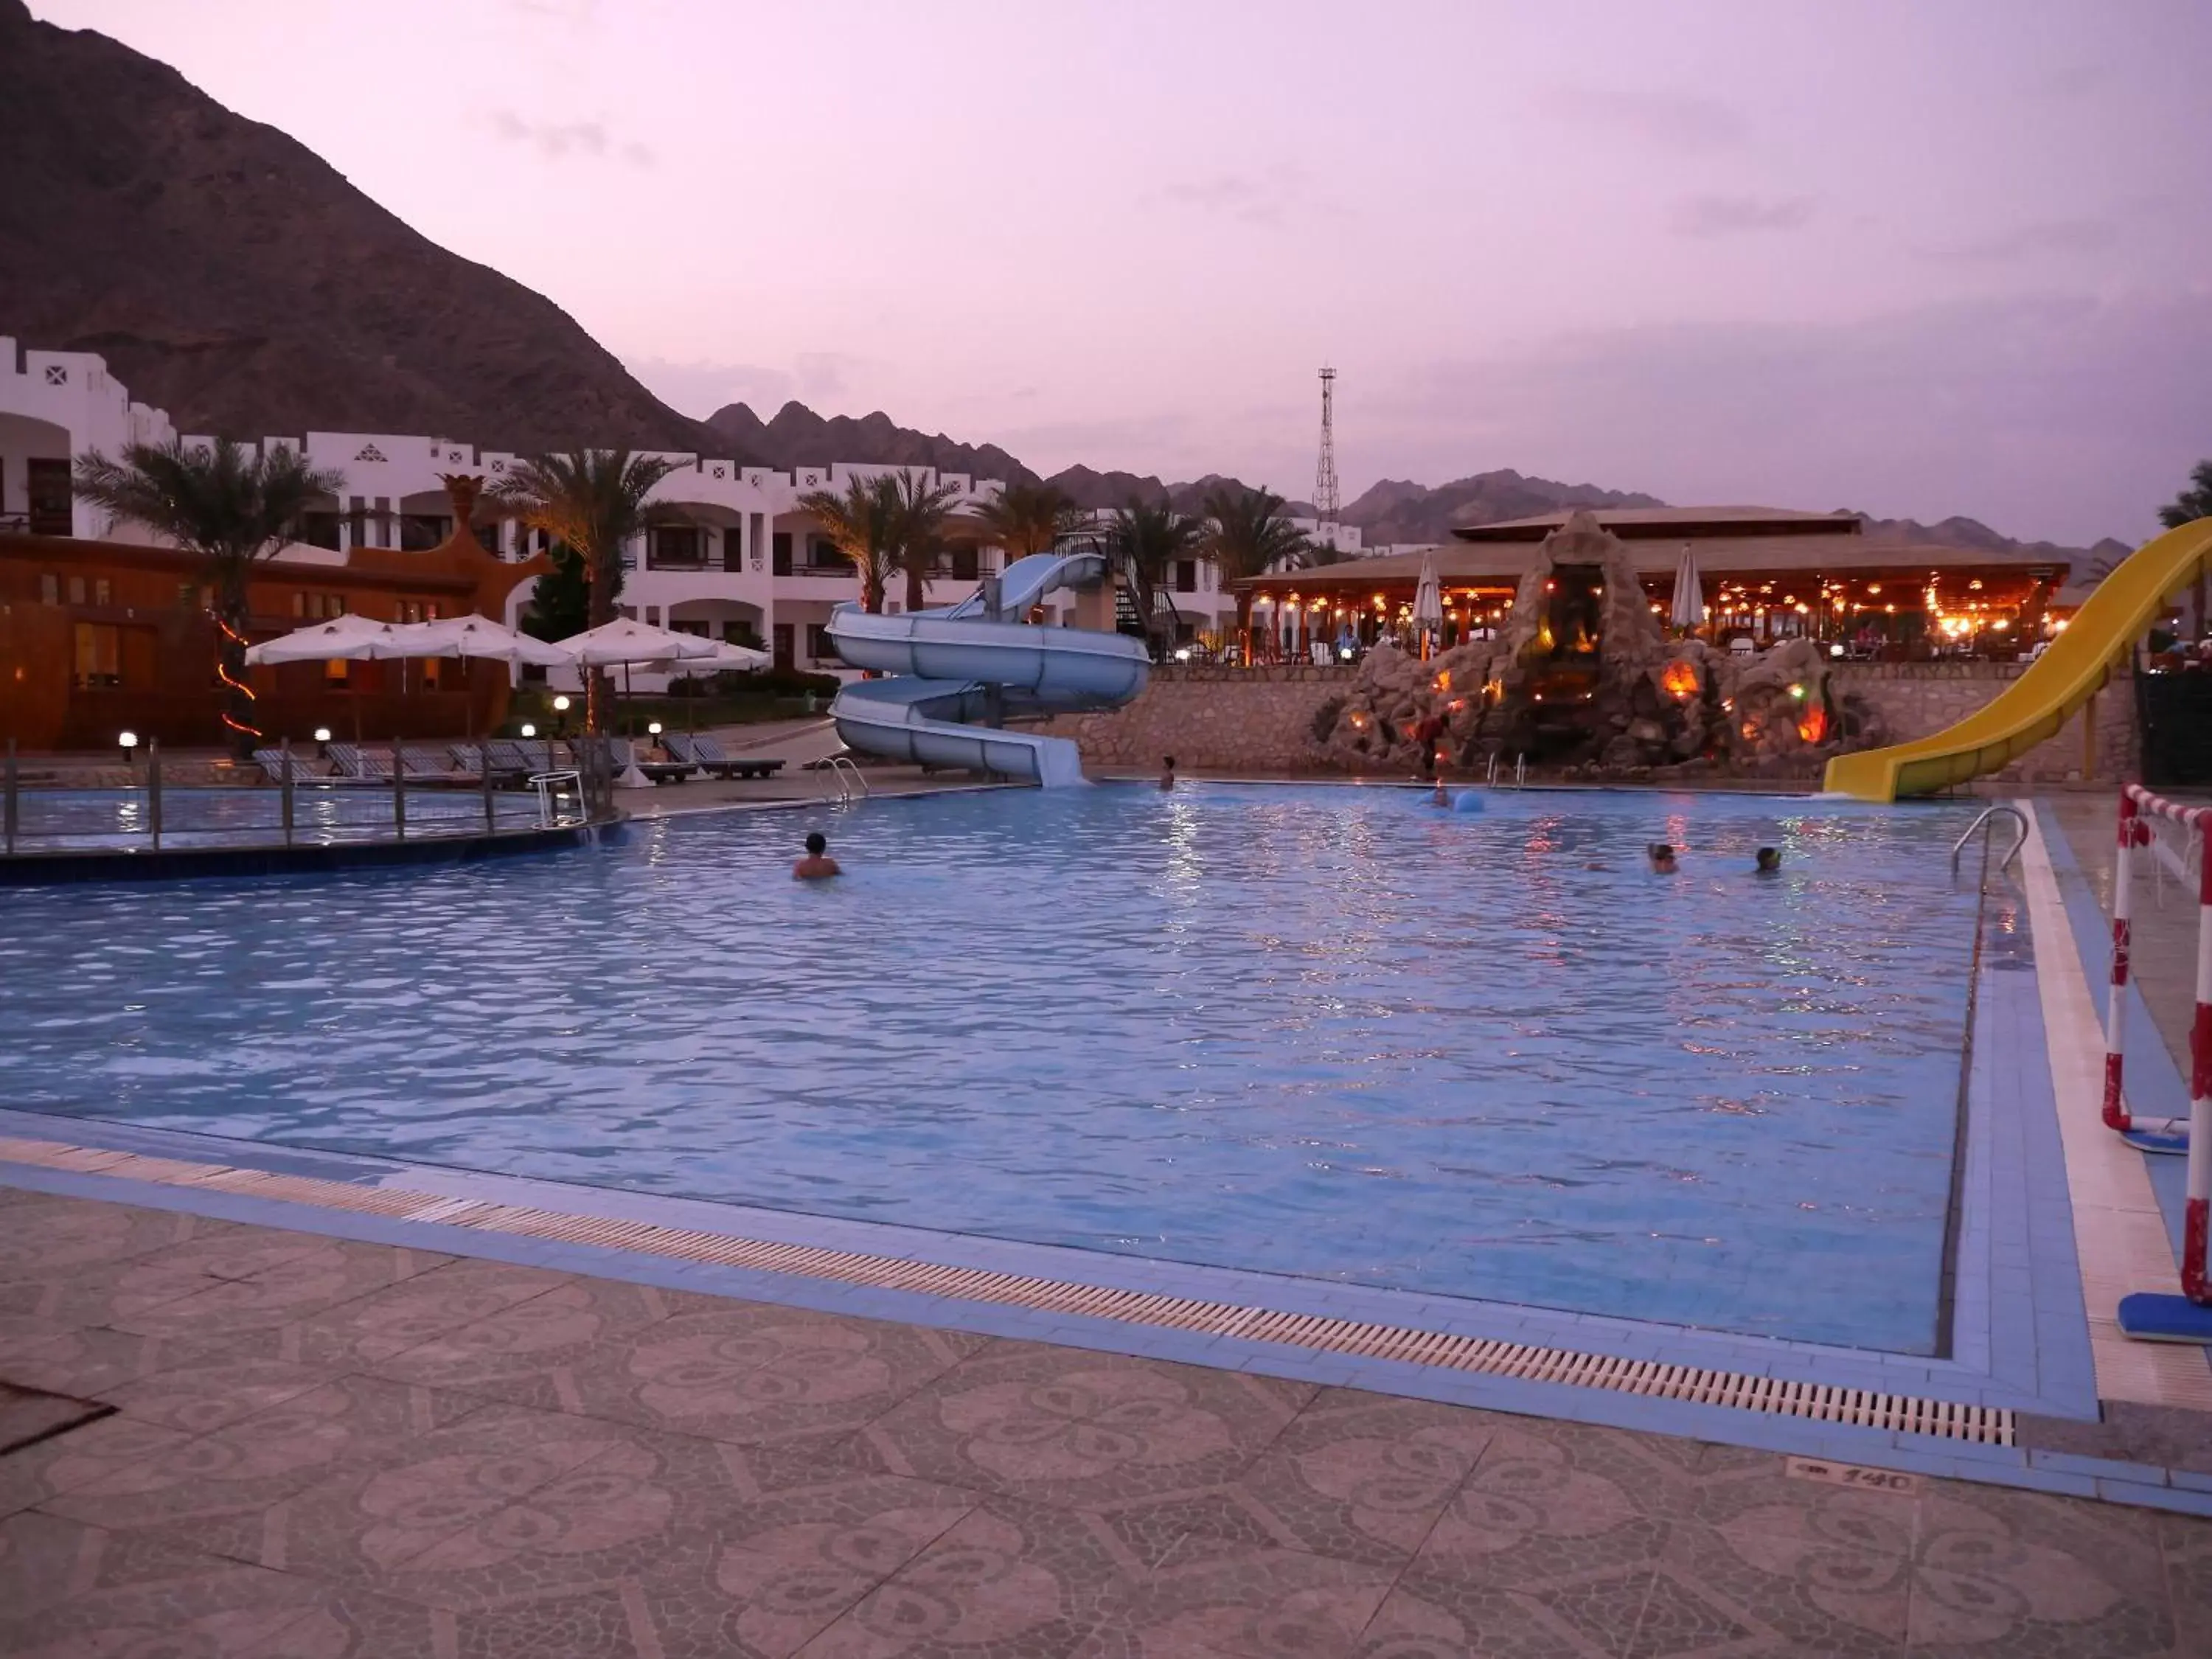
x: 98, y: 657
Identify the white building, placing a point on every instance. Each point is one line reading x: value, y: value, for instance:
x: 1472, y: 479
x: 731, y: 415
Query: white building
x: 749, y: 566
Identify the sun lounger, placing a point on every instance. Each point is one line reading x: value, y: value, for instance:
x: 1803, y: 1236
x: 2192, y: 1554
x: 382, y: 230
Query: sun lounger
x: 707, y: 755
x: 305, y: 767
x: 621, y: 758
x: 354, y: 761
x: 433, y: 763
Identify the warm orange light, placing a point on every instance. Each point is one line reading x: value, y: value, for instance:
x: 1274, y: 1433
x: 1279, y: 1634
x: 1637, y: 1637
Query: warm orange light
x: 1443, y: 680
x: 1815, y: 726
x: 1678, y: 680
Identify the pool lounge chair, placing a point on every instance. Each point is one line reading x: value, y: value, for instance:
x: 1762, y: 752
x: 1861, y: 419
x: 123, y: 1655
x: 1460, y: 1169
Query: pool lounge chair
x: 707, y: 754
x: 305, y: 767
x: 434, y: 762
x: 366, y: 764
x: 620, y: 758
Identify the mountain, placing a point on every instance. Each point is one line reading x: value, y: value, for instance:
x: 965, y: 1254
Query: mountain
x: 1973, y: 533
x: 799, y: 437
x: 1396, y: 510
x: 232, y: 276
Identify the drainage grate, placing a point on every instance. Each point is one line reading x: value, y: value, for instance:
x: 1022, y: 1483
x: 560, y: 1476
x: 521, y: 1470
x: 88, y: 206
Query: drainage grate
x: 1902, y: 1414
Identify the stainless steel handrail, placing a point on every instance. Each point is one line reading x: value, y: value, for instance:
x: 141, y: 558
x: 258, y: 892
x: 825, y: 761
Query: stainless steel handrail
x: 2011, y: 857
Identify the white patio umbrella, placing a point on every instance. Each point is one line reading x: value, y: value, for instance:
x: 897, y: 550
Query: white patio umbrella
x: 348, y: 638
x: 1428, y: 604
x: 1689, y: 592
x: 625, y: 643
x: 479, y: 637
x: 727, y: 659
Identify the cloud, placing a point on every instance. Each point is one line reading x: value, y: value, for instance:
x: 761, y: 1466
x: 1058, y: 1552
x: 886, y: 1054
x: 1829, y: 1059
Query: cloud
x: 1680, y: 121
x: 1230, y: 196
x: 2038, y: 236
x: 557, y: 140
x: 2065, y: 417
x: 1708, y: 217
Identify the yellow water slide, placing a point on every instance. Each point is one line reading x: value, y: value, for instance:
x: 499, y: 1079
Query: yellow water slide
x: 2070, y: 670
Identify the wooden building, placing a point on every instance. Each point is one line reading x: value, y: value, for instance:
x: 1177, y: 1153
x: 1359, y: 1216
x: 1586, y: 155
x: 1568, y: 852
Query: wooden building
x: 101, y: 637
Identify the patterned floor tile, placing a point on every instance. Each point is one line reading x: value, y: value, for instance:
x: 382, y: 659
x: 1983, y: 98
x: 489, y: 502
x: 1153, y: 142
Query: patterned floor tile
x: 50, y: 1237
x: 301, y: 1284
x: 2188, y: 1543
x: 748, y: 1373
x: 1086, y: 1430
x: 42, y: 1472
x: 2026, y: 1574
x: 1802, y: 1581
x: 92, y: 1363
x: 109, y: 1293
x: 361, y: 1524
x: 1358, y: 1476
x: 650, y: 1501
x: 361, y: 1332
x: 28, y: 1414
x: 1010, y: 1579
x: 211, y: 1389
x: 521, y: 1352
x: 1459, y: 1619
x: 1541, y: 1502
x: 68, y: 1591
x: 1255, y: 1604
x: 244, y: 1467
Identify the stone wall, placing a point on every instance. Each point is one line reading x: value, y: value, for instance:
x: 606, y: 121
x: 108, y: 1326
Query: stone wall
x: 1917, y: 699
x: 1262, y: 720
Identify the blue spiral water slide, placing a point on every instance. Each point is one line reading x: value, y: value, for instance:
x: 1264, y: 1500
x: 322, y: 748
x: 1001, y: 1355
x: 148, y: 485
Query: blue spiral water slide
x: 959, y: 673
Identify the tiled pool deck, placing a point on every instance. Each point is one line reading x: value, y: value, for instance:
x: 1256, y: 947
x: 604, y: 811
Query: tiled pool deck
x: 1378, y: 1505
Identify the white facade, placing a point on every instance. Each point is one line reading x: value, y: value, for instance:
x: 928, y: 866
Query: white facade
x: 749, y: 566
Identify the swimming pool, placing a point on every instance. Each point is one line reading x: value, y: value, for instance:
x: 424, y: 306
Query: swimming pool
x: 1318, y: 1030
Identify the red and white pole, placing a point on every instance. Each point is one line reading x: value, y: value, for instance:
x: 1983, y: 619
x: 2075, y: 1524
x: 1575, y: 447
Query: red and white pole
x: 2133, y: 833
x: 2196, y: 1216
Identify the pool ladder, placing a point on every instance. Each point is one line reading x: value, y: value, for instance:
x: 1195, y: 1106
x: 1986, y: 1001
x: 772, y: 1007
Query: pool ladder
x: 1520, y: 770
x: 2019, y: 840
x: 842, y: 782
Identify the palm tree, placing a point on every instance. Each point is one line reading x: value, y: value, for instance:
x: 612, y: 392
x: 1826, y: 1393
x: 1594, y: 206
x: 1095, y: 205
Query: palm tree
x: 595, y: 500
x: 1251, y: 535
x: 2191, y: 505
x: 1028, y: 518
x: 230, y: 505
x: 861, y: 525
x: 918, y: 512
x: 1148, y: 538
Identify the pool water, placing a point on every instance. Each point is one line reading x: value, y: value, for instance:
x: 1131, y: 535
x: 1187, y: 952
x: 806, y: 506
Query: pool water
x: 1319, y: 1031
x: 51, y: 820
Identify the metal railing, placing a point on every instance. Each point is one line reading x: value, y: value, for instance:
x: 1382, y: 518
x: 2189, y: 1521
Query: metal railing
x: 564, y: 796
x: 1989, y: 814
x: 842, y: 781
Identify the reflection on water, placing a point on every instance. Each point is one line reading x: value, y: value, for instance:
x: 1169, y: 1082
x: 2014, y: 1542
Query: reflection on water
x: 1317, y: 1031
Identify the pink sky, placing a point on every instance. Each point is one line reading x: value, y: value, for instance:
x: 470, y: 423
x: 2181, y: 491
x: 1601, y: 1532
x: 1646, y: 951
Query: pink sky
x: 1919, y: 257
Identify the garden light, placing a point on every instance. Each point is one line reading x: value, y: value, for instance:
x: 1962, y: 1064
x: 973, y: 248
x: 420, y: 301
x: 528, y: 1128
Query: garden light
x: 528, y: 730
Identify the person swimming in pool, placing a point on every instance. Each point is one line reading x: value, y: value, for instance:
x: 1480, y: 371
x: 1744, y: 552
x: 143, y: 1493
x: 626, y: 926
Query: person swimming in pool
x: 1769, y: 861
x: 1662, y: 858
x: 818, y: 865
x: 1167, y: 771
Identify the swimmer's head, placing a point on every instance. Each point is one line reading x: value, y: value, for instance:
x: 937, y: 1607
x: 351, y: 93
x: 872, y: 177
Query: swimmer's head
x: 1662, y: 856
x: 816, y: 844
x: 1770, y: 859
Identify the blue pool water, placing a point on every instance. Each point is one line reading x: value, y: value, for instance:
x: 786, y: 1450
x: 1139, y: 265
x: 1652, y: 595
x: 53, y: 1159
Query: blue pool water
x: 1312, y: 1030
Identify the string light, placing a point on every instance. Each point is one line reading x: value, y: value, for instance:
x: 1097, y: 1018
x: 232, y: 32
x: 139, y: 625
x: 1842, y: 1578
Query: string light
x: 237, y: 685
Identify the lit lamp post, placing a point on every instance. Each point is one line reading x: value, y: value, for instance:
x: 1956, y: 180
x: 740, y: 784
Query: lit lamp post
x: 560, y: 718
x: 128, y: 742
x: 322, y: 741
